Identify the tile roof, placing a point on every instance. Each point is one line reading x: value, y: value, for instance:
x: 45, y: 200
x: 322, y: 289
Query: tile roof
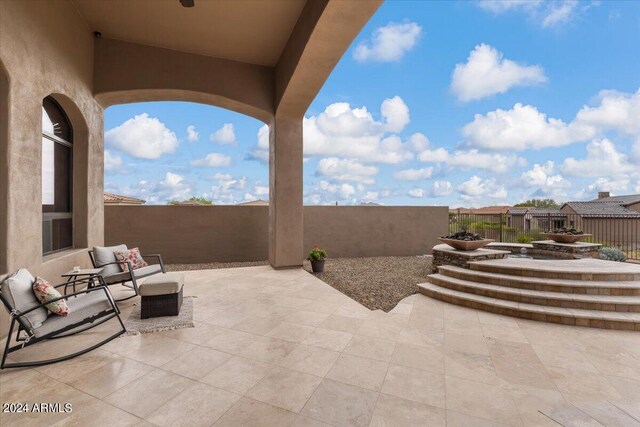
x: 600, y: 208
x: 116, y: 198
x: 545, y: 212
x: 518, y: 211
x: 621, y: 200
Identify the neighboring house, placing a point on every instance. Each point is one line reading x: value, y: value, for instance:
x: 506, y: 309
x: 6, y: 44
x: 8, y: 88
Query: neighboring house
x: 536, y: 219
x: 258, y: 202
x: 489, y: 210
x: 609, y: 219
x: 116, y: 199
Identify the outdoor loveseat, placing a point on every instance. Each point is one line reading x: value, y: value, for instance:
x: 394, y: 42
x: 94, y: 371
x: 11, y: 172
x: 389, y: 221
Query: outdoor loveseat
x: 104, y: 257
x: 87, y: 309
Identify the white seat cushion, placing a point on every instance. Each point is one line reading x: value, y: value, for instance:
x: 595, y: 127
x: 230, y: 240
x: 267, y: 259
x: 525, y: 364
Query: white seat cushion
x: 162, y: 284
x: 139, y: 273
x: 17, y: 289
x: 80, y: 307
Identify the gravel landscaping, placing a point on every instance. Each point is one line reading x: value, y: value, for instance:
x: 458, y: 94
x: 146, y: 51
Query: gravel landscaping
x: 213, y: 265
x: 376, y: 282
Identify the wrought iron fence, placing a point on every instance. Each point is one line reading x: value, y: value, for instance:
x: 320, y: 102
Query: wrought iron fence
x: 620, y: 232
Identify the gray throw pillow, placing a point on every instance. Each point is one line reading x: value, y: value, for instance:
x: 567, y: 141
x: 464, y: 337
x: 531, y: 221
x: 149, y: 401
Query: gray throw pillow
x: 17, y: 289
x: 104, y: 255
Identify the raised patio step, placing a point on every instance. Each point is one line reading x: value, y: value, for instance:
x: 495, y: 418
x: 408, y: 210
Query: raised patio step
x: 590, y: 287
x: 567, y: 316
x: 546, y: 298
x: 587, y: 269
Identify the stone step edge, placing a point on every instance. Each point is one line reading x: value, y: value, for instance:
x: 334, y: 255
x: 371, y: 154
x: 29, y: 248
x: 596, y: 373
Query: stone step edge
x: 621, y: 304
x: 530, y: 311
x: 530, y: 282
x: 541, y: 273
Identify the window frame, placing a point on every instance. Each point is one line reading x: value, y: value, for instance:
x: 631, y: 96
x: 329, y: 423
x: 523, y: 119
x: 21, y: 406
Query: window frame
x: 51, y: 216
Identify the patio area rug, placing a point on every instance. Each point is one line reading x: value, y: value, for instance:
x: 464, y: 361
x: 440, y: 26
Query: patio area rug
x: 135, y: 325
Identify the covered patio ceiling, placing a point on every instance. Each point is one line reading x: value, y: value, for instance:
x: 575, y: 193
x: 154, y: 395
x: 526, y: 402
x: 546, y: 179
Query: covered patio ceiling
x: 250, y: 31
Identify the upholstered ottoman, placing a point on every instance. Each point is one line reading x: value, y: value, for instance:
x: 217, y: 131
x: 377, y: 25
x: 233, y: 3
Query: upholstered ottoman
x: 161, y: 295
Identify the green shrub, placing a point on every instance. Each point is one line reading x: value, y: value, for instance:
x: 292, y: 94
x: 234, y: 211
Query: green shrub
x: 523, y: 238
x: 612, y: 254
x: 317, y: 254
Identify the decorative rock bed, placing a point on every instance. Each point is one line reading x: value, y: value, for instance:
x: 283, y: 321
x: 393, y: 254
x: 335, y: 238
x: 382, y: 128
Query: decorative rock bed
x: 446, y: 255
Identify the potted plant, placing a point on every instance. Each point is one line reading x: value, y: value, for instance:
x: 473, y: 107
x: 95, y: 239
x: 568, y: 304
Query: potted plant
x: 317, y: 257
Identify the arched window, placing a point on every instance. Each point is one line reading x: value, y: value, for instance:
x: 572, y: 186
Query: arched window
x: 57, y: 150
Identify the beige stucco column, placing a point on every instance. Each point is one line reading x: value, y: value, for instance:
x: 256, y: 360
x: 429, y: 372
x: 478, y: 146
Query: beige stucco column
x: 285, y: 192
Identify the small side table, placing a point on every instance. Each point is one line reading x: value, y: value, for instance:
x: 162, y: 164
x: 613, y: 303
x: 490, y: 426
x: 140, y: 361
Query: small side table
x: 90, y: 275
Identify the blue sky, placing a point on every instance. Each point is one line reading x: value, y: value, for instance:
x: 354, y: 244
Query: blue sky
x: 435, y: 103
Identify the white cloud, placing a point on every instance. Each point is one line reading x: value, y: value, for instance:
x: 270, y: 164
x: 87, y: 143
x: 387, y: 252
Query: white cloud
x: 616, y: 111
x: 559, y: 13
x: 606, y: 184
x: 143, y: 137
x: 342, y: 131
x: 346, y: 170
x: 327, y: 193
x: 173, y: 187
x: 438, y: 189
x: 225, y: 135
x: 523, y: 127
x: 388, y: 43
x: 192, y: 133
x: 501, y: 6
x: 369, y: 197
x: 212, y: 160
x: 543, y: 176
x: 476, y: 188
x: 545, y: 13
x: 260, y: 151
x: 229, y: 189
x: 416, y: 193
x: 261, y: 190
x: 413, y: 174
x: 467, y: 159
x: 603, y: 159
x: 441, y: 188
x: 112, y: 163
x: 487, y: 73
x: 395, y: 113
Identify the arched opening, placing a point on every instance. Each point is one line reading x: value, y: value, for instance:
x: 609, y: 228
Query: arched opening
x: 191, y: 170
x: 4, y: 166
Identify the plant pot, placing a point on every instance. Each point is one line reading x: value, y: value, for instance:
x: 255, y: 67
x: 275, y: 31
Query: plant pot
x: 318, y: 265
x: 466, y: 245
x: 566, y: 238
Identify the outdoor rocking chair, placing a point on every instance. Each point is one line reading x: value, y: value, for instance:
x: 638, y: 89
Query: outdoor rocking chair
x: 88, y: 308
x: 104, y: 257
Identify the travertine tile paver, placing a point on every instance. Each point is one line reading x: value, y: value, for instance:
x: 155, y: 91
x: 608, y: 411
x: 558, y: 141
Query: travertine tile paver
x: 282, y: 348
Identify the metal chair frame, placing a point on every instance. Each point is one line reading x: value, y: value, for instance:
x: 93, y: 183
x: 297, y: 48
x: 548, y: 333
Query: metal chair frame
x: 18, y: 317
x: 132, y: 276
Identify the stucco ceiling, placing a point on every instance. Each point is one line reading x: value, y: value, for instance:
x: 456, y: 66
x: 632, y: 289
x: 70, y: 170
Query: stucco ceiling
x: 253, y: 31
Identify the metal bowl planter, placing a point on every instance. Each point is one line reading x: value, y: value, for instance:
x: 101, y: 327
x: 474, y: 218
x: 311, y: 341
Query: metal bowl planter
x: 466, y: 245
x: 566, y: 238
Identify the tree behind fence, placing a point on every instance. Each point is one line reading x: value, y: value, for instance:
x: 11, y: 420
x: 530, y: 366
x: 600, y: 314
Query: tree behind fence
x: 620, y: 232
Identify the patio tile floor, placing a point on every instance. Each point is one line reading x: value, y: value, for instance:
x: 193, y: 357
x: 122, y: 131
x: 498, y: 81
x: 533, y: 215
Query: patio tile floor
x: 282, y: 348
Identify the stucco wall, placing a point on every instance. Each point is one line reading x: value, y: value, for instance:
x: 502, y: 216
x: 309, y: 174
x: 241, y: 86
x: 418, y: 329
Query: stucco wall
x: 46, y: 49
x: 195, y: 234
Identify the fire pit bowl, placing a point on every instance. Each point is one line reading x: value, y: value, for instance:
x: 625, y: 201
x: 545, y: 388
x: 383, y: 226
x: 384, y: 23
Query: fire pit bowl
x: 566, y: 238
x: 466, y: 245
